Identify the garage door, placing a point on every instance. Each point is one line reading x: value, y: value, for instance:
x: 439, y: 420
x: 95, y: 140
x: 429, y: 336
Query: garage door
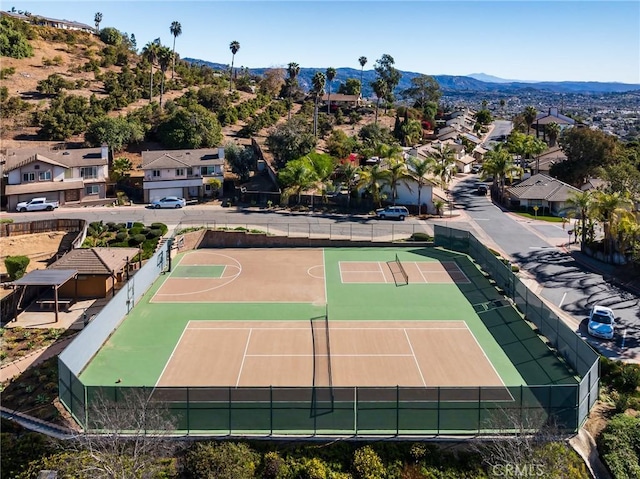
x: 162, y: 192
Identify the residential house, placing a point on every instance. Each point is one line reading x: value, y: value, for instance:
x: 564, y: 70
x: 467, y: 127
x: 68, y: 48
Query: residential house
x: 543, y: 162
x: 593, y: 184
x: 183, y: 173
x: 99, y: 270
x: 66, y: 175
x: 464, y: 163
x: 50, y: 22
x: 342, y: 100
x: 548, y: 194
x: 543, y: 119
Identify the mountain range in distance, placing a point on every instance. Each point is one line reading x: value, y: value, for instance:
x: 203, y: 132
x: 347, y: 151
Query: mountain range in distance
x: 475, y: 82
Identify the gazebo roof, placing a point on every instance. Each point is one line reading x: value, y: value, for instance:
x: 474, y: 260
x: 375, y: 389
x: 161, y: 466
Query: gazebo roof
x: 46, y: 277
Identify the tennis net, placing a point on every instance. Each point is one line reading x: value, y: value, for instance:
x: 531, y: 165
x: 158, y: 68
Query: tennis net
x: 402, y: 270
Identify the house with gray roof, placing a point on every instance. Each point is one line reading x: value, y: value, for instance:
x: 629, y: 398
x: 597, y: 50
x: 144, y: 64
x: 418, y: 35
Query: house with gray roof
x: 548, y: 194
x: 543, y: 162
x: 69, y: 176
x: 183, y: 173
x: 552, y: 116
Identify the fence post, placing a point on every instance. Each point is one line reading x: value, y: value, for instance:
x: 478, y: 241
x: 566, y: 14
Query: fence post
x: 229, y: 408
x: 271, y: 410
x: 438, y: 414
x: 355, y: 410
x: 188, y: 412
x: 479, y: 407
x: 397, y: 410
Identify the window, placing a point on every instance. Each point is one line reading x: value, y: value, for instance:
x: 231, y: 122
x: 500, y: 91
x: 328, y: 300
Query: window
x: 155, y: 173
x: 189, y: 171
x: 44, y: 176
x: 89, y: 172
x: 92, y: 190
x: 207, y: 170
x: 28, y: 177
x: 179, y: 171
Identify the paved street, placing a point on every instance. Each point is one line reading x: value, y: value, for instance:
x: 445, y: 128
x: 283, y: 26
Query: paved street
x: 539, y: 248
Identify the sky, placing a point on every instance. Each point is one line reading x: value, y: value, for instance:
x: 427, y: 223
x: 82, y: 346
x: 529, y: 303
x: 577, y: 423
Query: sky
x: 554, y: 40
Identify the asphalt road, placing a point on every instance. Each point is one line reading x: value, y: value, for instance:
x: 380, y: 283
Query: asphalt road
x: 530, y: 244
x: 539, y: 248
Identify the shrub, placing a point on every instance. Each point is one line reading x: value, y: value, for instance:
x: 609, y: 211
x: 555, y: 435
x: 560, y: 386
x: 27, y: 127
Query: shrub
x: 16, y: 266
x: 154, y: 234
x: 160, y: 226
x: 137, y: 239
x: 224, y: 460
x: 619, y: 446
x: 123, y: 235
x: 367, y: 464
x: 421, y: 237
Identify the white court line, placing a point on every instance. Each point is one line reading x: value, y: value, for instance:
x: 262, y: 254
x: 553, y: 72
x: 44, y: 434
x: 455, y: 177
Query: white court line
x: 624, y: 337
x: 339, y: 269
x: 488, y: 360
x: 420, y: 271
x: 213, y: 328
x: 415, y: 359
x: 175, y: 348
x: 382, y: 272
x: 332, y: 355
x: 244, y: 356
x: 324, y: 268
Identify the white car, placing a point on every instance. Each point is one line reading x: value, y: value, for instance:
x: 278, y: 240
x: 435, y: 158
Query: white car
x: 602, y: 322
x: 169, y: 202
x: 392, y: 213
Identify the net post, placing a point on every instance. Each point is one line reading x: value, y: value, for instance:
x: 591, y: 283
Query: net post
x: 270, y: 410
x: 397, y: 410
x: 229, y: 408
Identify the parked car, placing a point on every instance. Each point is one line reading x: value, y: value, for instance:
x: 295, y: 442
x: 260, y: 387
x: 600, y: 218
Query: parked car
x: 476, y: 169
x: 602, y: 322
x: 37, y: 204
x: 169, y: 202
x: 392, y: 213
x: 482, y: 189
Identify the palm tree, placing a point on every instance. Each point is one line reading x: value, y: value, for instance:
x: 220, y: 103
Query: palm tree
x: 581, y: 205
x: 418, y: 168
x: 97, y: 19
x: 165, y: 57
x: 530, y: 114
x: 609, y: 209
x: 293, y: 69
x: 380, y: 89
x: 176, y: 31
x: 499, y: 164
x: 396, y: 174
x: 371, y: 179
x: 363, y: 62
x: 350, y: 174
x: 297, y: 176
x: 444, y: 164
x: 234, y: 46
x: 331, y: 74
x: 553, y: 131
x: 150, y: 53
x: 318, y: 81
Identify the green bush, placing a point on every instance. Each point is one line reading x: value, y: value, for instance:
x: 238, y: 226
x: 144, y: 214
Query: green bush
x: 160, y: 226
x: 421, y: 237
x: 16, y: 266
x: 619, y: 446
x: 136, y: 239
x: 154, y: 234
x: 223, y: 460
x: 123, y: 235
x: 367, y: 464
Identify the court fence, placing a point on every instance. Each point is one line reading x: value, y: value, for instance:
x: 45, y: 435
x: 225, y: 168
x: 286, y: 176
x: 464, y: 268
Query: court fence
x: 352, y: 412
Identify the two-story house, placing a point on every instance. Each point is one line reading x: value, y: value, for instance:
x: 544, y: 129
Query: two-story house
x: 66, y: 175
x: 183, y: 173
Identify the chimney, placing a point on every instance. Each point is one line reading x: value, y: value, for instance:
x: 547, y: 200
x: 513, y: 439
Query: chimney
x: 104, y: 151
x: 553, y: 111
x: 221, y: 153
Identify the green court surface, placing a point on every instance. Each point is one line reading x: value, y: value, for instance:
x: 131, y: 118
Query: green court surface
x: 137, y: 352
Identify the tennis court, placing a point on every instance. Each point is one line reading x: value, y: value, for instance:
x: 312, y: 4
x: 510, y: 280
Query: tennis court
x: 271, y: 327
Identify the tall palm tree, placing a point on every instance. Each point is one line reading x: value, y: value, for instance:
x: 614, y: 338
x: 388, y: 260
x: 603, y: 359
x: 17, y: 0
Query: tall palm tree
x: 331, y: 74
x: 297, y: 176
x: 176, y: 31
x: 580, y: 205
x: 444, y: 164
x: 165, y: 57
x: 318, y: 83
x: 499, y: 164
x: 553, y: 131
x: 234, y: 46
x: 530, y: 114
x: 609, y: 209
x: 363, y: 62
x: 293, y: 69
x: 97, y: 19
x: 380, y: 89
x: 397, y: 174
x: 372, y: 178
x: 350, y: 174
x: 150, y: 53
x: 418, y: 169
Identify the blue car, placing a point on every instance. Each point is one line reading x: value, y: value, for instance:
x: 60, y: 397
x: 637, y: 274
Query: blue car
x: 602, y: 322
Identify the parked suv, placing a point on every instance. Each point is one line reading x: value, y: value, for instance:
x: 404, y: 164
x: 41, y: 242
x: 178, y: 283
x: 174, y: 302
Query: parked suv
x: 392, y: 213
